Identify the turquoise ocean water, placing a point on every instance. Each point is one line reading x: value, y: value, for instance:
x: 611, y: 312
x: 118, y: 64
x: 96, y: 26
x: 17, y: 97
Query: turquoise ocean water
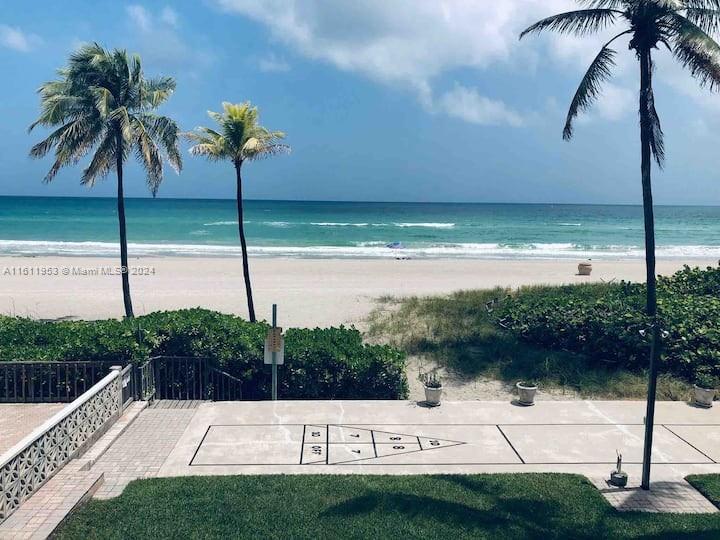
x: 190, y: 227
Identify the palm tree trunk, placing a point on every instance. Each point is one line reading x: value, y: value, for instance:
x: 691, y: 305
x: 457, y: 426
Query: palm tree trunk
x: 651, y: 307
x: 123, y: 232
x: 243, y: 243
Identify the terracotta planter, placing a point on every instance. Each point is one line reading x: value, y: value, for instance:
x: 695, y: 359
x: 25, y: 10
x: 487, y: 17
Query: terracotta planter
x: 433, y: 395
x: 704, y: 397
x: 526, y: 394
x: 584, y: 269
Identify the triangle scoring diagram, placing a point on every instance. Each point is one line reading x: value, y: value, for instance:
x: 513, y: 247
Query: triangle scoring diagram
x: 332, y: 444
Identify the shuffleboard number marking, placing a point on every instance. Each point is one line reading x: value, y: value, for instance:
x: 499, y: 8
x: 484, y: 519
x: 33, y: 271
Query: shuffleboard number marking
x: 398, y: 447
x: 434, y: 443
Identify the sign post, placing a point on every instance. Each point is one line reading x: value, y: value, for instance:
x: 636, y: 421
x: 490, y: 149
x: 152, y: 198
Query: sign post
x: 274, y: 350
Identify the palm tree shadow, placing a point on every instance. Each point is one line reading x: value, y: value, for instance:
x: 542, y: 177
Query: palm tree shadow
x: 526, y: 517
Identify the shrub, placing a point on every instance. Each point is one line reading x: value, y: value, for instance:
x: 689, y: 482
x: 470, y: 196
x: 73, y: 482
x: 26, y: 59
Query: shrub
x: 604, y: 321
x: 328, y: 363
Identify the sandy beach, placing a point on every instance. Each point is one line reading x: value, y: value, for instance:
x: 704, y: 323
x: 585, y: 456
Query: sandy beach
x: 309, y: 292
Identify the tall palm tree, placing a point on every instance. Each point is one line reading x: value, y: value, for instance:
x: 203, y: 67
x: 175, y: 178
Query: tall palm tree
x: 239, y: 138
x: 684, y: 27
x: 102, y: 103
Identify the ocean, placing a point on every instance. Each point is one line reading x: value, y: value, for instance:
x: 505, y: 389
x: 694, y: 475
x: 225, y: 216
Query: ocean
x: 35, y: 226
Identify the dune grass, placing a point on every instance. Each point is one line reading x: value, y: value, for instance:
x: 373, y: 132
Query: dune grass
x: 459, y: 333
x: 506, y: 506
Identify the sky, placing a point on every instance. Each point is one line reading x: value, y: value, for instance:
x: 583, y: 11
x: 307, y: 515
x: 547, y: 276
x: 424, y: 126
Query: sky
x: 399, y: 100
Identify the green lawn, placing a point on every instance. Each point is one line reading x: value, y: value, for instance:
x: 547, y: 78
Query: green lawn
x: 375, y: 507
x: 708, y: 485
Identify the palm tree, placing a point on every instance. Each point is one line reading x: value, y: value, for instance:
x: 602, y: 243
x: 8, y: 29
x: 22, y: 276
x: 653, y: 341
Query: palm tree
x: 684, y: 28
x: 102, y: 103
x: 240, y: 138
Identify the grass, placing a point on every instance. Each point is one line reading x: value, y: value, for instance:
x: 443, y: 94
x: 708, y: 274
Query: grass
x: 708, y: 485
x: 459, y: 333
x: 356, y: 506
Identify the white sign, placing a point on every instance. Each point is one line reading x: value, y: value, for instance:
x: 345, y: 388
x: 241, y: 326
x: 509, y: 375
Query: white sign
x: 279, y: 354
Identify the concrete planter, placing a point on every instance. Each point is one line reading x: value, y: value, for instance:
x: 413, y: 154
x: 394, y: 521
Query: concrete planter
x: 704, y: 397
x: 526, y: 394
x: 433, y: 395
x: 618, y: 479
x: 584, y: 269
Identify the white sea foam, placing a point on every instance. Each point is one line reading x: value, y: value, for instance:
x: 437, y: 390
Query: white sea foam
x: 219, y: 223
x: 427, y: 225
x: 361, y: 250
x: 332, y: 224
x: 277, y: 223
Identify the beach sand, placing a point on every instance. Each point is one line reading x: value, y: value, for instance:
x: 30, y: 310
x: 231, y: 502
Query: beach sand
x: 309, y: 293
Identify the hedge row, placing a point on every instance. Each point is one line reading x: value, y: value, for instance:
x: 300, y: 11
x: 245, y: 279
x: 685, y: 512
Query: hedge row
x: 604, y: 321
x: 330, y: 363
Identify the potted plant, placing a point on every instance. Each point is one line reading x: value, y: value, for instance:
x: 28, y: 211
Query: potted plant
x: 526, y: 392
x: 433, y: 388
x: 705, y: 385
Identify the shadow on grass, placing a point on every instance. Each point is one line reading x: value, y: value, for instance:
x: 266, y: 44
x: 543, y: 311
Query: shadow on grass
x: 486, y: 511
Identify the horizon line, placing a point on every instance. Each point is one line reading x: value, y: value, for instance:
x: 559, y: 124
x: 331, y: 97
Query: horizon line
x: 350, y: 201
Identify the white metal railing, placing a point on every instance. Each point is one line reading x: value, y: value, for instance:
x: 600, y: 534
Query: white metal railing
x: 31, y: 462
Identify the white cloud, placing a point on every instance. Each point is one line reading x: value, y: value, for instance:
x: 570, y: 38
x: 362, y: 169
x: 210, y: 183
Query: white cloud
x: 169, y: 16
x: 273, y: 64
x: 467, y: 104
x: 140, y: 17
x: 162, y: 44
x: 411, y: 44
x: 14, y: 38
x: 405, y: 42
x: 616, y: 102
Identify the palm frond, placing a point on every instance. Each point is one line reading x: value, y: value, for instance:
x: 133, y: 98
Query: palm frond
x: 654, y: 130
x: 102, y: 162
x: 255, y: 149
x: 157, y: 91
x: 104, y: 100
x: 606, y: 4
x: 165, y: 133
x: 590, y: 86
x: 706, y: 18
x: 697, y: 52
x: 579, y: 23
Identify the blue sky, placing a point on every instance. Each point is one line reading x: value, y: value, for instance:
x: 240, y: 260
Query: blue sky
x: 400, y: 100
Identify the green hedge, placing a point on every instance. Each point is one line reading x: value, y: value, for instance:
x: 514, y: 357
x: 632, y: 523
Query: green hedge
x: 329, y: 363
x: 603, y: 321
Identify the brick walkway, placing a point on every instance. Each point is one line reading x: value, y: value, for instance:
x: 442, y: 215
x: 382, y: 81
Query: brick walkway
x: 18, y: 419
x: 141, y: 449
x: 664, y: 496
x: 38, y: 517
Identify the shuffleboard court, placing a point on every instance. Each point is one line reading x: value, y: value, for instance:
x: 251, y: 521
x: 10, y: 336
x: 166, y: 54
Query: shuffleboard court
x: 401, y: 437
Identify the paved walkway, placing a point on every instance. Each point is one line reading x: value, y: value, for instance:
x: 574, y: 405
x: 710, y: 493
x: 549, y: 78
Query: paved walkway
x: 19, y: 419
x: 141, y: 450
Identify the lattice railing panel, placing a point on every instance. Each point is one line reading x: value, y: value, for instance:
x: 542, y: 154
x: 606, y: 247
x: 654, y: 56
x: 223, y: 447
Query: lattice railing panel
x: 29, y: 468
